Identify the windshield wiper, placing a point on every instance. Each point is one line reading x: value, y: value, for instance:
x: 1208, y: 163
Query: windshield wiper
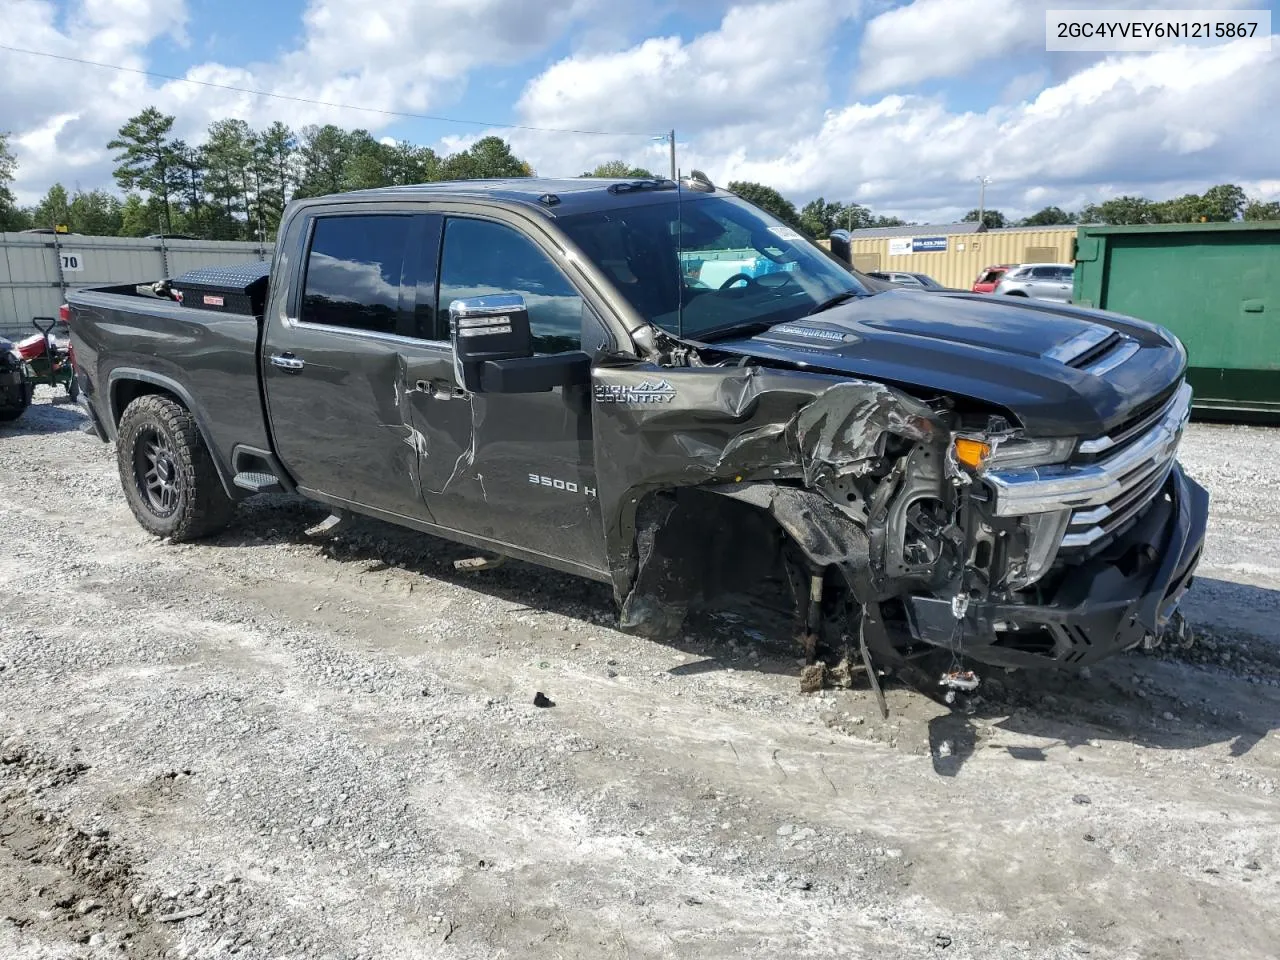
x: 747, y: 328
x: 835, y: 301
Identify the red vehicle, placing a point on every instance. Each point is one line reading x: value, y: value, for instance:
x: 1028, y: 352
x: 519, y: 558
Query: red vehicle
x: 51, y: 360
x: 990, y: 276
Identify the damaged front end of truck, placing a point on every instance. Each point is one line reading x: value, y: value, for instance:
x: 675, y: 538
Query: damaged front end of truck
x: 904, y: 525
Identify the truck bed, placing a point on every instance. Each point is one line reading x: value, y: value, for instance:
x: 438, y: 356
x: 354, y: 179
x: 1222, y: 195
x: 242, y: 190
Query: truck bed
x: 209, y: 360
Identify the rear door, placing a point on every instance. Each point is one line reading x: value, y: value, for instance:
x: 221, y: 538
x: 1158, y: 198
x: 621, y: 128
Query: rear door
x: 1065, y: 281
x: 1043, y: 282
x: 341, y: 361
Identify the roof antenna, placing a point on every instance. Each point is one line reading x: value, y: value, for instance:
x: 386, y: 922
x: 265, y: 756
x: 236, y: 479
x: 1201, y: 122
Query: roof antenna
x: 679, y: 253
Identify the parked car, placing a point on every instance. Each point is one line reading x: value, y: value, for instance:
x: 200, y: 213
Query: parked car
x: 990, y: 276
x: 1043, y: 281
x: 17, y: 385
x: 921, y: 281
x: 522, y: 367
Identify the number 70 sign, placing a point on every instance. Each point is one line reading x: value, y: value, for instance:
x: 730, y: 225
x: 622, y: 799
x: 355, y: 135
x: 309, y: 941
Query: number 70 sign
x: 72, y: 262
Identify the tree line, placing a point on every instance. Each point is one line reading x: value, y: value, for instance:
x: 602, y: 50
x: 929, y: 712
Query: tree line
x: 235, y: 185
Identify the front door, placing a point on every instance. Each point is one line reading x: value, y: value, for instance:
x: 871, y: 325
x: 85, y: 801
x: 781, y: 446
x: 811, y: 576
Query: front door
x: 340, y: 371
x: 511, y: 468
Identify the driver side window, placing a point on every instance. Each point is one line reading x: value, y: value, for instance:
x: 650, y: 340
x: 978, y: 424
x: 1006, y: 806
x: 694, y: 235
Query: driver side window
x: 481, y: 258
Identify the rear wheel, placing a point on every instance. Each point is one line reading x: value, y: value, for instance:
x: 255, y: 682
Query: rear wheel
x: 11, y: 413
x: 167, y: 472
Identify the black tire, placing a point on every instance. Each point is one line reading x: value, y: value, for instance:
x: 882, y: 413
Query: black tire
x: 167, y: 473
x: 9, y: 414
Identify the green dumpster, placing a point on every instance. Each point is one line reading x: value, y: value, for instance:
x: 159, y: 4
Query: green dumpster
x: 1215, y: 285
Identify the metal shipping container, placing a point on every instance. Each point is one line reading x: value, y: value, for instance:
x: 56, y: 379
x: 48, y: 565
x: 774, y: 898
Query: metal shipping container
x: 1214, y: 285
x: 37, y: 269
x: 955, y: 254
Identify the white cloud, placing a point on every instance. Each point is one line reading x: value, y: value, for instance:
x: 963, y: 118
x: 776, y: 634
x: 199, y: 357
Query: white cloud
x: 929, y: 39
x: 749, y: 97
x: 1159, y: 123
x: 399, y: 57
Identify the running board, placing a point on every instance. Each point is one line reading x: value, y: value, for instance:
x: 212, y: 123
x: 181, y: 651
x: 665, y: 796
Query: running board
x: 258, y: 482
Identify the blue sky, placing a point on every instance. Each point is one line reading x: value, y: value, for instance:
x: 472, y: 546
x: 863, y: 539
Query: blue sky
x: 899, y: 105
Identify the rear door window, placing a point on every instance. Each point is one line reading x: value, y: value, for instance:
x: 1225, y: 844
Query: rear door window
x: 355, y: 272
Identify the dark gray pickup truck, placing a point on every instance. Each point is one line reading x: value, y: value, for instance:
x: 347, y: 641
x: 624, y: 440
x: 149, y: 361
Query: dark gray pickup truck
x: 656, y: 385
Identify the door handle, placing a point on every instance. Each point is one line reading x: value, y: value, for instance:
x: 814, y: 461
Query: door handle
x: 439, y: 389
x: 287, y: 361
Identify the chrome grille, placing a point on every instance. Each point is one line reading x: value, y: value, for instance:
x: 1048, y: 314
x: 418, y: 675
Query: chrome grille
x: 1138, y: 479
x: 1137, y: 427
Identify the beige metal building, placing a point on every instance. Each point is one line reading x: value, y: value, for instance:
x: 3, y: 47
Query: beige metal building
x: 955, y: 253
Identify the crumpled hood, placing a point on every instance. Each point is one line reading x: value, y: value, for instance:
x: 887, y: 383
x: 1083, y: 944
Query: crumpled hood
x: 1043, y: 362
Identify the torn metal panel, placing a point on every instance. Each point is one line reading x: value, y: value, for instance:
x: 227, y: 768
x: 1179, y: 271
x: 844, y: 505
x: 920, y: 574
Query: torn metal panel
x: 741, y: 424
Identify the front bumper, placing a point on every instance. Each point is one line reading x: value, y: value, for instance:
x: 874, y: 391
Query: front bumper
x: 1101, y: 607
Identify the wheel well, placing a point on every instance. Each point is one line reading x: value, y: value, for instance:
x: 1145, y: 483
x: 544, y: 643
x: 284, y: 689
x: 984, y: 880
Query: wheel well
x: 124, y: 392
x: 1015, y: 293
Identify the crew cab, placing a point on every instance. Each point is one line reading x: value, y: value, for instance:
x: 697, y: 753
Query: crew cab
x: 656, y: 385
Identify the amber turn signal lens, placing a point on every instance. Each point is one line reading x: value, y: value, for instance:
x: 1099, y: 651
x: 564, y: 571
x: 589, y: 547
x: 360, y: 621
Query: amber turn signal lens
x: 972, y: 453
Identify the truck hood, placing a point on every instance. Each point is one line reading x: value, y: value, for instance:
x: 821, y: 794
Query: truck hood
x: 1059, y: 370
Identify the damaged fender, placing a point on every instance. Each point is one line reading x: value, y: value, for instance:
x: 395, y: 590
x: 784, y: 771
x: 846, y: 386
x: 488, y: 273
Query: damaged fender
x: 774, y: 439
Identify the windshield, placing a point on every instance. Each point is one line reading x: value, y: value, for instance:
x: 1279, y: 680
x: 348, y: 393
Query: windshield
x: 708, y: 263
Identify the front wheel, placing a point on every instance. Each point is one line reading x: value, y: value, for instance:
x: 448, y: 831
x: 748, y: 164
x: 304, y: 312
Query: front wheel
x: 167, y: 472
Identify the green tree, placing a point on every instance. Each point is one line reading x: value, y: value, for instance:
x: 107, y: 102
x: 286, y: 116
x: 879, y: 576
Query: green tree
x: 407, y: 163
x: 54, y: 208
x: 229, y: 177
x: 1049, y: 217
x: 147, y: 159
x: 368, y: 163
x: 620, y: 169
x: 139, y: 217
x: 1220, y: 204
x: 10, y: 216
x: 1121, y: 210
x: 191, y: 188
x: 487, y: 157
x: 818, y: 218
x: 767, y: 199
x: 273, y: 161
x: 96, y: 213
x: 323, y: 153
x: 991, y: 219
x: 1260, y: 210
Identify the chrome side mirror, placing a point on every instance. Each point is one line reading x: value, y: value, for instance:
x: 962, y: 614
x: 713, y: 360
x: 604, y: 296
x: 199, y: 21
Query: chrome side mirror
x: 483, y: 329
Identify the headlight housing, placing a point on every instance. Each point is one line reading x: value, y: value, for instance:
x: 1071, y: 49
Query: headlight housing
x: 1030, y: 453
x: 982, y: 454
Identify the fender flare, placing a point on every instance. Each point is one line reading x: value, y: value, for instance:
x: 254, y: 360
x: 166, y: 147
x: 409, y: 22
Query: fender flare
x: 169, y: 385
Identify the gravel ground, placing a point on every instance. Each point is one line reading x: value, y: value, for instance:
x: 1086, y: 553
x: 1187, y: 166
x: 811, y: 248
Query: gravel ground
x: 268, y: 747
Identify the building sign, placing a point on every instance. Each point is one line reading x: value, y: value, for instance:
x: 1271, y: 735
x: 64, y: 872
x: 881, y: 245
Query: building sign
x: 899, y: 246
x: 928, y: 244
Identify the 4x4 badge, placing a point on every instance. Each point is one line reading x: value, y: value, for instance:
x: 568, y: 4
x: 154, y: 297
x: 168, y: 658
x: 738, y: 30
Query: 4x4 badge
x: 647, y: 391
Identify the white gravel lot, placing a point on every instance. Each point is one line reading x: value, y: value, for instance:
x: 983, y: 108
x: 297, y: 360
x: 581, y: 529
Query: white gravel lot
x: 266, y: 747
